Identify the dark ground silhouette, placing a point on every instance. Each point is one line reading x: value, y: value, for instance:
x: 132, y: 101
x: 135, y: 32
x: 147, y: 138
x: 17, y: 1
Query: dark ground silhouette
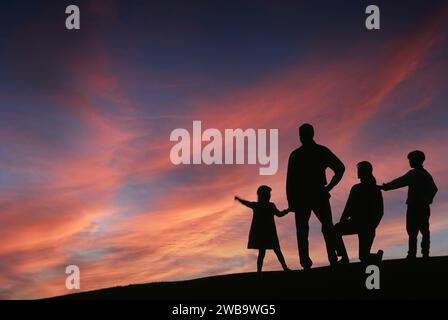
x: 399, y: 279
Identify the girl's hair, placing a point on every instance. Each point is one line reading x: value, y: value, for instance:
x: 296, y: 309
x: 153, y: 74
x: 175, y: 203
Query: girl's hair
x: 365, y: 170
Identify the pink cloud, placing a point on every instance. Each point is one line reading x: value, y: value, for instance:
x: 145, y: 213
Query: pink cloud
x: 195, y: 229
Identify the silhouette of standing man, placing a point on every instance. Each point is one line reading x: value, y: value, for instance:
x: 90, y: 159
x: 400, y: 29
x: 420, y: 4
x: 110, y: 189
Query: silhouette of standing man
x: 307, y: 190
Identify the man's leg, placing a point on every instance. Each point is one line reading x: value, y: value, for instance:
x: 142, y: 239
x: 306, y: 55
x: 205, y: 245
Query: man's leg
x: 323, y: 212
x: 424, y: 229
x: 412, y: 230
x: 302, y: 228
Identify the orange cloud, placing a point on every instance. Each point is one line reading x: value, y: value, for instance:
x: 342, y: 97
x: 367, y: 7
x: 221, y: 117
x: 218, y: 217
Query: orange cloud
x: 193, y: 227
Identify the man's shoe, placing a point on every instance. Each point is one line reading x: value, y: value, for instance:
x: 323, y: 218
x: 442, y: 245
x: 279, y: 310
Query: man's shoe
x: 425, y: 256
x: 411, y: 257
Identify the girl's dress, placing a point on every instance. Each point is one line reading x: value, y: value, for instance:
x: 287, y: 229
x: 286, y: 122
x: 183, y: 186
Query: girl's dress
x: 263, y: 233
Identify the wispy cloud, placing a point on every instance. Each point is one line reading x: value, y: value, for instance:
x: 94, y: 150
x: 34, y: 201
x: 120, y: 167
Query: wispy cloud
x: 95, y: 186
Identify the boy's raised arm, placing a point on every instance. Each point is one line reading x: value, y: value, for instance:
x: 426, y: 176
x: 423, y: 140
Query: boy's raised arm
x: 397, y: 183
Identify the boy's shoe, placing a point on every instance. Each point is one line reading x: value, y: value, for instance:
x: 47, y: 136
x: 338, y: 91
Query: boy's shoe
x: 259, y: 275
x: 425, y: 256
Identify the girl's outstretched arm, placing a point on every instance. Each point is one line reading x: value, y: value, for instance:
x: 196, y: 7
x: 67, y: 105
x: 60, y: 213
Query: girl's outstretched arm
x: 245, y: 202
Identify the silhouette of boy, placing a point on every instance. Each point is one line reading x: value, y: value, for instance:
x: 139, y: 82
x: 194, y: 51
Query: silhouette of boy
x: 362, y: 215
x: 421, y: 192
x: 263, y: 233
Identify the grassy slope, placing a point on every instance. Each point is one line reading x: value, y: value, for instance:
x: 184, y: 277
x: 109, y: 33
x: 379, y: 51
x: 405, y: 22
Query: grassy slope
x: 398, y: 278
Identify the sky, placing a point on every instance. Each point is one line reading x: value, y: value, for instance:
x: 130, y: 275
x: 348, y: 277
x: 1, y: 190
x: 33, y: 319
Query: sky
x: 86, y: 115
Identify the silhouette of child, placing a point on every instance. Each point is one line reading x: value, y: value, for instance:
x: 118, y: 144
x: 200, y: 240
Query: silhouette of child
x: 263, y: 233
x: 421, y: 193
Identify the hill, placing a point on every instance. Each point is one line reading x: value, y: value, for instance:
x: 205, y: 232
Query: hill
x: 399, y: 279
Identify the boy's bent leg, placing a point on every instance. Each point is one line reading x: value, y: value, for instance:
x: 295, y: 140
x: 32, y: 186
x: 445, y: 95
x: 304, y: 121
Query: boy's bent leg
x: 302, y: 217
x: 412, y: 230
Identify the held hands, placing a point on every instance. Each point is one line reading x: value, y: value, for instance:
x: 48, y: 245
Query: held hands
x: 284, y: 212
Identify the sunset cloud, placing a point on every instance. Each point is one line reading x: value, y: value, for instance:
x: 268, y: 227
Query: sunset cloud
x: 86, y: 176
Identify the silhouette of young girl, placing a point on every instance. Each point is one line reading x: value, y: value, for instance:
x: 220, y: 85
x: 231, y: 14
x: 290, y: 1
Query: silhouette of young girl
x: 263, y: 233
